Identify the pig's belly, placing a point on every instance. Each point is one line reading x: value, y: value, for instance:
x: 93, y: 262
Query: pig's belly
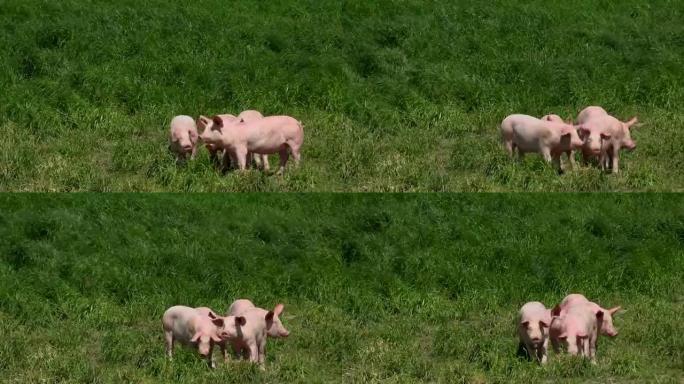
x: 266, y: 146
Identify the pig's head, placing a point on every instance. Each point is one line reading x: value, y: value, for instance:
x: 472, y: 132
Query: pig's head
x: 227, y: 327
x: 204, y: 340
x: 607, y: 327
x: 627, y: 141
x: 274, y: 327
x: 593, y: 138
x: 231, y: 327
x: 570, y: 136
x: 212, y: 131
x: 535, y: 329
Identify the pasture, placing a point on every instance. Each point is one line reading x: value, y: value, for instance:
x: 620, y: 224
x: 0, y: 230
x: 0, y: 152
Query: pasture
x: 394, y: 95
x: 377, y: 288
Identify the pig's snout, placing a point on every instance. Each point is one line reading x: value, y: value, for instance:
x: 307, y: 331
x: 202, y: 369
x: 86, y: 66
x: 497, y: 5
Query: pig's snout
x: 631, y: 145
x: 284, y: 333
x: 187, y: 147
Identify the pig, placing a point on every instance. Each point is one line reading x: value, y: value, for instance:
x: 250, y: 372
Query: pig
x: 577, y: 329
x: 604, y: 136
x: 607, y: 327
x: 272, y: 134
x: 260, y: 325
x: 569, y: 152
x: 533, y: 330
x: 239, y: 321
x: 183, y: 137
x: 205, y: 123
x: 529, y: 134
x: 260, y: 160
x: 195, y: 328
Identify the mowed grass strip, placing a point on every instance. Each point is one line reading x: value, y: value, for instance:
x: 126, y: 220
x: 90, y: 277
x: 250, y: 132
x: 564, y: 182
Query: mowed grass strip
x: 377, y: 288
x: 394, y: 95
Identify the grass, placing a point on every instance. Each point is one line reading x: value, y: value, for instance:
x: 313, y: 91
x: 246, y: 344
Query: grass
x: 395, y: 96
x: 378, y: 288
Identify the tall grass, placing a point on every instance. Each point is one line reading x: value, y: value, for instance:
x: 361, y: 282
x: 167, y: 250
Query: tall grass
x: 377, y: 288
x: 394, y: 95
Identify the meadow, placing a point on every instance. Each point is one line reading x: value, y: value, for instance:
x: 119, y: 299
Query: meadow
x: 394, y: 95
x: 377, y: 288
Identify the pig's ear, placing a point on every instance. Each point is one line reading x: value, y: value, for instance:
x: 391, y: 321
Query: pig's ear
x: 614, y: 310
x: 583, y: 128
x: 566, y: 130
x: 599, y: 315
x: 218, y: 121
x: 524, y: 324
x: 543, y: 323
x: 555, y: 312
x: 195, y: 337
x: 212, y: 315
x: 269, y: 316
x: 218, y: 321
x: 563, y: 336
x: 605, y: 136
x: 240, y: 320
x: 278, y: 309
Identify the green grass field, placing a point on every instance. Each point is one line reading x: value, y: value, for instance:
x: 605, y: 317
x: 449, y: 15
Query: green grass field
x: 378, y: 288
x: 395, y: 96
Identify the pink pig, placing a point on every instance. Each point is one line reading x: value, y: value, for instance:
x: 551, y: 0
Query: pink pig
x: 205, y: 123
x: 533, y: 330
x: 260, y: 325
x: 197, y: 329
x: 248, y: 116
x: 239, y: 321
x: 577, y: 329
x: 607, y: 327
x: 272, y: 134
x: 529, y: 134
x: 604, y: 136
x: 183, y: 137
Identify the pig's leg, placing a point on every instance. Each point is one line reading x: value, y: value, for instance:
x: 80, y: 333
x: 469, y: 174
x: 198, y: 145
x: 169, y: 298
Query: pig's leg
x: 210, y: 358
x: 284, y: 154
x: 241, y: 154
x: 294, y: 148
x: 616, y: 160
x: 592, y: 349
x: 194, y: 151
x: 557, y: 163
x: 224, y: 351
x: 543, y: 351
x: 571, y: 159
x: 508, y: 144
x: 554, y: 344
x: 264, y: 163
x: 262, y: 354
x: 253, y: 352
x: 228, y: 161
x: 168, y: 336
x: 521, y: 154
x: 546, y: 153
x: 249, y: 159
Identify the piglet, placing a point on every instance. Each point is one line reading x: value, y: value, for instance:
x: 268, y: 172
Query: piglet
x: 260, y: 160
x: 533, y: 329
x: 183, y: 137
x: 607, y: 326
x: 260, y: 324
x: 205, y: 123
x: 577, y: 329
x: 229, y: 320
x: 272, y: 134
x: 529, y: 134
x: 604, y: 136
x: 196, y: 329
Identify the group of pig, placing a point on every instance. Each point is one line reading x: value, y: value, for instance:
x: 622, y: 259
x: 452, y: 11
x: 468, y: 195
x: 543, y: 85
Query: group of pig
x: 574, y: 325
x: 596, y: 134
x: 245, y: 327
x: 238, y: 139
